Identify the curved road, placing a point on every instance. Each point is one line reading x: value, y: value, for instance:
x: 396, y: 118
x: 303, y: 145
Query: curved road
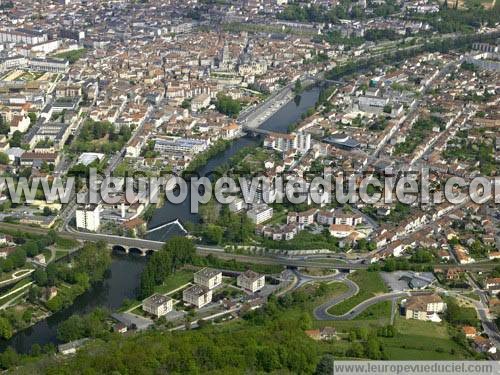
x: 321, y: 312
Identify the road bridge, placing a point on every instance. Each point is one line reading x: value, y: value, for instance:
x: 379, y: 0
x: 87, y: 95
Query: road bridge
x: 144, y: 247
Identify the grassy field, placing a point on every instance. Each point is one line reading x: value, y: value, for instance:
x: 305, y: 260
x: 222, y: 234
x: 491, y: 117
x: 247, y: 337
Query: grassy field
x: 175, y: 281
x: 376, y: 312
x: 375, y: 316
x: 4, y: 298
x: 472, y: 295
x: 422, y: 340
x: 370, y: 284
x: 330, y: 290
x: 71, y: 56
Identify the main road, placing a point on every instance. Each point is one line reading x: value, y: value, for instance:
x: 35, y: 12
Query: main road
x: 143, y: 244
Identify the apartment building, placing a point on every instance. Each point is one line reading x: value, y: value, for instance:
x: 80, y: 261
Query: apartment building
x: 260, y: 213
x: 424, y: 307
x: 251, y: 281
x: 208, y: 277
x: 197, y: 295
x: 88, y: 217
x: 157, y: 305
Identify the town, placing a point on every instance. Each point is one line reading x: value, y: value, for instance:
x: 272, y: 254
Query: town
x: 270, y: 89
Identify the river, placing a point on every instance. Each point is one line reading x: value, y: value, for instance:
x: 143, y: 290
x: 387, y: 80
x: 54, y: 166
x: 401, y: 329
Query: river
x: 279, y: 122
x: 124, y: 276
x: 121, y: 282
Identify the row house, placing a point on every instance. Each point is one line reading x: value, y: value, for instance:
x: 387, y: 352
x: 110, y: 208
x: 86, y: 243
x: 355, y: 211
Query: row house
x: 302, y: 218
x: 279, y: 233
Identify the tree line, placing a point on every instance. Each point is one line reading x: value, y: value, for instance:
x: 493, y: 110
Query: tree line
x: 176, y: 252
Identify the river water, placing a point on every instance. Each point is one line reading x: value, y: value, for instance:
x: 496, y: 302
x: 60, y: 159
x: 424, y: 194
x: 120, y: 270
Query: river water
x: 279, y: 122
x: 124, y: 276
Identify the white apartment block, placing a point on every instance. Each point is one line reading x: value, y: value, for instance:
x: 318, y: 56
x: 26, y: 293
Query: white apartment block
x: 22, y: 36
x: 251, y: 281
x: 260, y: 213
x: 197, y: 295
x: 300, y: 142
x: 88, y: 217
x: 157, y: 305
x: 208, y: 277
x: 193, y: 146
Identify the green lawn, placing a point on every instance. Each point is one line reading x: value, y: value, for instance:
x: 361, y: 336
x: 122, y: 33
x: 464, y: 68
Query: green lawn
x: 175, y: 281
x: 17, y: 285
x: 61, y: 253
x: 72, y: 56
x: 66, y: 243
x: 370, y: 284
x: 472, y: 295
x: 138, y: 311
x: 329, y: 290
x: 422, y: 340
x: 376, y: 312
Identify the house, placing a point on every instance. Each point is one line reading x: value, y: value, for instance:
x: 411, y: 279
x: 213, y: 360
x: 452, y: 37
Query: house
x: 4, y: 239
x: 40, y: 259
x: 197, y: 295
x: 237, y: 205
x: 325, y: 333
x: 424, y: 307
x: 395, y: 248
x: 284, y: 232
x: 494, y: 255
x: 6, y: 251
x: 251, y: 281
x: 453, y: 274
x: 49, y: 293
x: 230, y: 131
x: 341, y: 230
x: 71, y: 347
x: 484, y: 345
x: 301, y: 218
x: 208, y: 277
x: 157, y: 305
x: 120, y: 328
x: 29, y: 159
x: 347, y: 218
x: 313, y: 333
x: 325, y: 217
x: 469, y: 332
x: 462, y: 254
x: 444, y: 255
x: 199, y: 102
x: 20, y: 124
x: 493, y: 285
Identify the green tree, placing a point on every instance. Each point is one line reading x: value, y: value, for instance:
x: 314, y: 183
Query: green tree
x: 297, y: 87
x: 16, y: 140
x: 40, y: 277
x: 93, y: 259
x: 4, y: 159
x: 4, y: 127
x: 227, y: 105
x: 214, y: 234
x: 71, y: 329
x: 9, y: 358
x: 325, y: 365
x: 5, y: 328
x: 32, y: 116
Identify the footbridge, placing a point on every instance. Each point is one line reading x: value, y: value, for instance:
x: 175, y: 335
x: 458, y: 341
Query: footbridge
x: 163, y: 226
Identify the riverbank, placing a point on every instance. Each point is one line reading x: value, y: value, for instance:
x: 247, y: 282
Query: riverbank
x: 121, y: 283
